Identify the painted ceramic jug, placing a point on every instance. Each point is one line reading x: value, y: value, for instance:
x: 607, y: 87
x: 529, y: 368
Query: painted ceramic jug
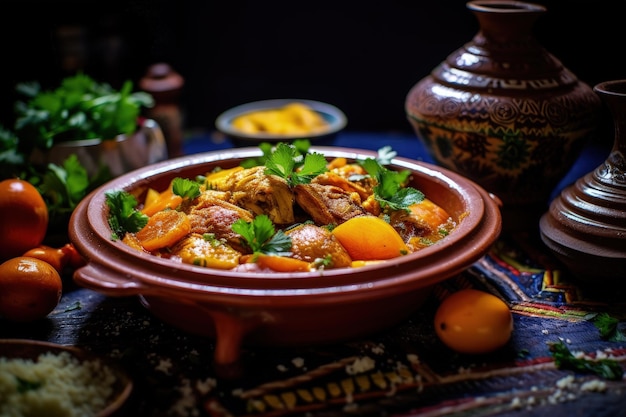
x: 504, y: 112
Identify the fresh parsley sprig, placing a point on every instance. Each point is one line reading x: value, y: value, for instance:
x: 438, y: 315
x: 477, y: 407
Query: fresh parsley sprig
x: 284, y: 162
x: 64, y: 186
x: 564, y: 359
x: 261, y: 237
x: 390, y: 191
x: 186, y: 188
x: 608, y: 326
x: 123, y: 216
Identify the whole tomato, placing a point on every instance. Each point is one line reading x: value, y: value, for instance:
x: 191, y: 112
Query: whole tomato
x: 23, y: 217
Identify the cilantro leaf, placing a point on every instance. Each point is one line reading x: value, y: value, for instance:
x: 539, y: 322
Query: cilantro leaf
x: 314, y: 165
x: 608, y: 327
x: 123, y: 216
x: 385, y: 155
x: 390, y: 191
x: 261, y: 236
x: 564, y: 359
x: 281, y: 161
x: 288, y: 163
x: 186, y: 188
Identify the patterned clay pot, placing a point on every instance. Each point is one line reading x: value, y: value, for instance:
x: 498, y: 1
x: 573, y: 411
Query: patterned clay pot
x: 585, y: 226
x: 504, y: 112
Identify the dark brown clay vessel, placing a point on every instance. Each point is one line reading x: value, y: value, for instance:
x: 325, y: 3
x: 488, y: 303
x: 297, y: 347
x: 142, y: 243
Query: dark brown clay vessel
x: 585, y: 226
x: 504, y: 112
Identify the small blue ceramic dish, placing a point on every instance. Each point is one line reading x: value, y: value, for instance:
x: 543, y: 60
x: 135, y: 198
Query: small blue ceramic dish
x: 335, y: 118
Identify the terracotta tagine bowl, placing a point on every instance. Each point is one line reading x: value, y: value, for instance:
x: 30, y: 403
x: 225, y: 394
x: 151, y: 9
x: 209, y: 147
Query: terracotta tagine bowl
x: 281, y: 309
x: 585, y: 226
x: 504, y: 112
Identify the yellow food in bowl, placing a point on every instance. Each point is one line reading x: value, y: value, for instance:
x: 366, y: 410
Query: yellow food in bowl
x: 293, y: 118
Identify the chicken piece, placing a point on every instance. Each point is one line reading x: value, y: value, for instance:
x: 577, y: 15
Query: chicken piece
x: 362, y: 188
x: 310, y: 243
x: 206, y: 251
x: 328, y: 204
x: 216, y: 216
x: 260, y: 193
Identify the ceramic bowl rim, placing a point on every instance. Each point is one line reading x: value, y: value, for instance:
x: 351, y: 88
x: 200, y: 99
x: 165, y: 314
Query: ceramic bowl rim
x: 253, y: 284
x: 334, y: 116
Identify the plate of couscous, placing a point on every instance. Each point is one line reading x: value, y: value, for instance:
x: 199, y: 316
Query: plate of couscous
x: 52, y: 380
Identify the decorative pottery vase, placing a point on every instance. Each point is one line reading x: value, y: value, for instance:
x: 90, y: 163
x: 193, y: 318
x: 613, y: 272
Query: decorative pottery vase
x: 585, y: 226
x: 504, y: 112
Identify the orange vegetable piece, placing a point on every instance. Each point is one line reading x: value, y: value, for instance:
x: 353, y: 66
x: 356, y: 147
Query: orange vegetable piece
x: 370, y: 238
x: 165, y: 200
x: 151, y: 196
x: 282, y: 263
x: 433, y: 215
x: 163, y: 229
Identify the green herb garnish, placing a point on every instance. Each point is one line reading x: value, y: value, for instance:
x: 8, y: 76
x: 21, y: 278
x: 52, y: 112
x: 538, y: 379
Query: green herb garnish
x: 386, y: 155
x: 285, y: 160
x: 608, y: 327
x: 80, y: 108
x: 123, y: 216
x: 605, y: 368
x: 390, y: 191
x: 24, y: 385
x: 64, y: 186
x: 186, y: 188
x: 261, y: 236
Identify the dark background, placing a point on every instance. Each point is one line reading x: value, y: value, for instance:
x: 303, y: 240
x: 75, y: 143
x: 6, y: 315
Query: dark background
x: 361, y: 56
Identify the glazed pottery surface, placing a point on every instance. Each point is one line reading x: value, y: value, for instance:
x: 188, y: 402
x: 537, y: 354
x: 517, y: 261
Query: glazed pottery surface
x: 503, y: 111
x: 585, y: 225
x: 276, y: 309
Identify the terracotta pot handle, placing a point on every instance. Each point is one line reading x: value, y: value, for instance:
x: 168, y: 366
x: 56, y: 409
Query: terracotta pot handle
x: 108, y: 282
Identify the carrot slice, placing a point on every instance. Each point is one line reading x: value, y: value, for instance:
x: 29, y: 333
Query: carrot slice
x: 282, y: 263
x: 432, y: 214
x: 165, y: 200
x: 163, y: 229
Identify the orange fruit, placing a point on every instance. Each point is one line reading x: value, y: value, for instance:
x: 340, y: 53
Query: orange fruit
x: 164, y: 228
x: 53, y: 256
x: 474, y: 322
x: 23, y: 218
x: 29, y: 289
x: 368, y: 238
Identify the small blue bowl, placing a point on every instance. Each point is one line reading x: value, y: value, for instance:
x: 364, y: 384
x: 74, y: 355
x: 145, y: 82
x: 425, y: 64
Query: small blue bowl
x: 336, y: 122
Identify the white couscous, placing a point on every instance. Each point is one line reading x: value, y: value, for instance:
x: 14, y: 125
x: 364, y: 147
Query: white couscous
x: 54, y: 385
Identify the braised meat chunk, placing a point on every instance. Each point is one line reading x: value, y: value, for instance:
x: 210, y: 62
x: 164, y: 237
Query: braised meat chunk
x: 328, y: 204
x: 312, y: 243
x: 260, y: 193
